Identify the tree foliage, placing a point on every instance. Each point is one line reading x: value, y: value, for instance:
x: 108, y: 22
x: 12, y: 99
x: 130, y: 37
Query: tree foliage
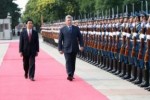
x: 7, y: 6
x: 53, y: 10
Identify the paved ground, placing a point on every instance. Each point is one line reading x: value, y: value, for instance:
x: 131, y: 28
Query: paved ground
x: 110, y: 85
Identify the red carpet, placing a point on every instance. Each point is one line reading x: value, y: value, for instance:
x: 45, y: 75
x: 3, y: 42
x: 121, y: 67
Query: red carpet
x: 50, y: 84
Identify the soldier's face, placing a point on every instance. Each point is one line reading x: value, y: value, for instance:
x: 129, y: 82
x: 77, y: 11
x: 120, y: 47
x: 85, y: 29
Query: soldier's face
x: 137, y: 19
x: 149, y: 19
x: 121, y: 20
x: 144, y: 18
x: 131, y: 20
x: 68, y: 21
x: 29, y: 24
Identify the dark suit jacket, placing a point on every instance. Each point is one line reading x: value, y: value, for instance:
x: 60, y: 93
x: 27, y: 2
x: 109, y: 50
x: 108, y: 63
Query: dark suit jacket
x: 69, y: 40
x: 29, y: 47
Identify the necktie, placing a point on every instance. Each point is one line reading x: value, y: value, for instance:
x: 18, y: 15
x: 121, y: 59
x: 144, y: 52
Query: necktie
x: 69, y: 28
x: 30, y: 34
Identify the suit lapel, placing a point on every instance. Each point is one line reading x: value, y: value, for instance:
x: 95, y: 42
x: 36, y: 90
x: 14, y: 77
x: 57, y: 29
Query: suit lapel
x: 72, y: 29
x: 26, y: 35
x: 32, y: 35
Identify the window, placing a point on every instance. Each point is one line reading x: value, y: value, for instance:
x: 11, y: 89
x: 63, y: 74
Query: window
x: 6, y: 27
x: 1, y: 27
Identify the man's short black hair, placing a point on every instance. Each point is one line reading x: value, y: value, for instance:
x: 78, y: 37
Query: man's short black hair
x: 29, y: 20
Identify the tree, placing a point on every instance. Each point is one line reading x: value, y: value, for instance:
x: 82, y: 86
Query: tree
x: 53, y: 10
x: 10, y: 7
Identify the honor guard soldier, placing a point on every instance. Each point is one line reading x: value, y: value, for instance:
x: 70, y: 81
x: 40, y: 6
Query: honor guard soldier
x: 145, y: 75
x: 101, y: 36
x: 147, y: 55
x: 103, y: 64
x: 90, y: 38
x: 95, y: 37
x: 80, y: 25
x: 135, y: 49
x: 123, y: 58
x: 119, y: 27
x: 98, y: 25
x: 115, y: 29
x: 134, y: 54
x: 86, y: 44
x: 128, y: 48
x: 109, y: 36
x: 105, y: 43
x: 141, y: 49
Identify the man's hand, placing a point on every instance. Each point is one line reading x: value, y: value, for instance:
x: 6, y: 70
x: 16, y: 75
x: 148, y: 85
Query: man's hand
x: 61, y: 52
x: 36, y: 54
x: 21, y: 54
x: 81, y: 49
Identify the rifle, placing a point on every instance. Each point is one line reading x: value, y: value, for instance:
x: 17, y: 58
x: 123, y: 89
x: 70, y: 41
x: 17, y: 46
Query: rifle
x: 122, y: 51
x: 114, y: 40
x: 99, y: 38
x: 140, y: 54
x: 128, y: 42
x: 146, y: 57
x: 103, y: 38
x: 116, y: 44
x: 95, y: 38
x: 109, y: 40
x: 133, y: 53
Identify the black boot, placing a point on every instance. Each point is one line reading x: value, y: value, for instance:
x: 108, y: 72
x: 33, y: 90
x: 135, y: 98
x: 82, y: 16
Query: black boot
x: 90, y: 57
x: 97, y: 60
x: 145, y: 82
x: 104, y: 63
x: 134, y: 73
x: 92, y: 61
x: 110, y: 67
x: 84, y: 56
x: 114, y: 66
x: 139, y: 77
x: 118, y: 68
x: 101, y: 61
x: 123, y: 70
x: 128, y: 74
x: 93, y: 58
x: 148, y: 88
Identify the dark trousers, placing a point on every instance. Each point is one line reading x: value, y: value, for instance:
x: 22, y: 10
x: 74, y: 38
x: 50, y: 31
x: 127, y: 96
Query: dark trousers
x: 29, y: 65
x: 70, y: 63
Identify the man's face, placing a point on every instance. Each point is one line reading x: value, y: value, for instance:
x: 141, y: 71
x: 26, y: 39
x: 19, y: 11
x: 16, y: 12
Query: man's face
x: 131, y: 20
x: 29, y: 24
x: 144, y: 18
x: 68, y: 22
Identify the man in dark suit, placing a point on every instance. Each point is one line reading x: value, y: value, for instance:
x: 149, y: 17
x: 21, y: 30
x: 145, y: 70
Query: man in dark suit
x: 29, y: 48
x: 69, y: 40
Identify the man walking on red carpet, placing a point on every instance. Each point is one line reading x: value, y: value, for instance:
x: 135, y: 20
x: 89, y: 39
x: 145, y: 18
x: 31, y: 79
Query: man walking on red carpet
x: 29, y: 48
x: 69, y: 40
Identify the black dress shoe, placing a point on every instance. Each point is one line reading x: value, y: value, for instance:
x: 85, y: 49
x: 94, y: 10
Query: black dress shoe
x: 32, y: 79
x: 69, y: 78
x: 26, y: 76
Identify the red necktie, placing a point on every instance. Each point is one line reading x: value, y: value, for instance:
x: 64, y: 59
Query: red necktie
x: 30, y: 35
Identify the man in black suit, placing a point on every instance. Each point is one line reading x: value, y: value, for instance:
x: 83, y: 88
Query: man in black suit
x: 29, y: 48
x: 69, y: 40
